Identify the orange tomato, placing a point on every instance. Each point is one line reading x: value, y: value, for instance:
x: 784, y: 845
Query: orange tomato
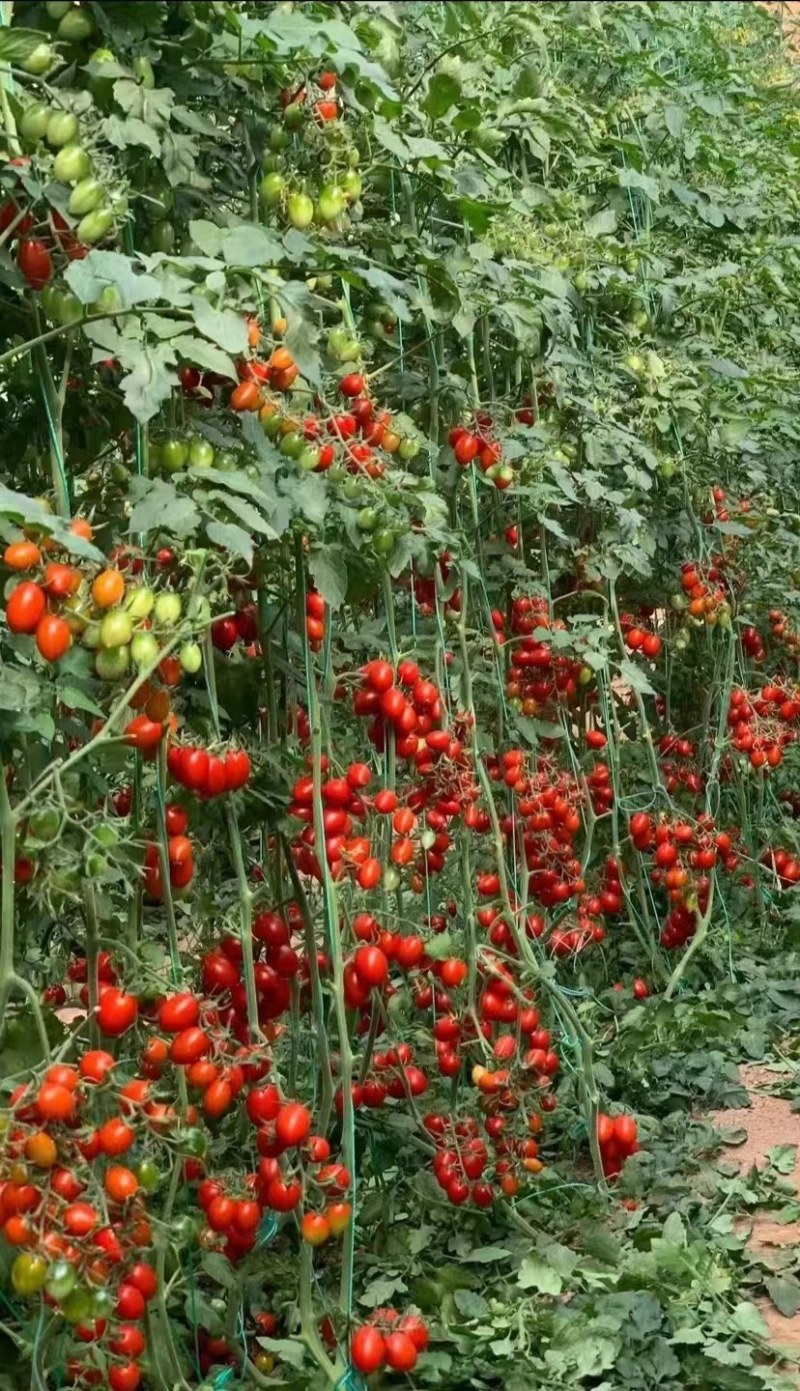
x: 108, y: 589
x: 22, y: 555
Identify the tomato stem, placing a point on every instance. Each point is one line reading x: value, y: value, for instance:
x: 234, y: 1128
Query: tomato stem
x: 92, y: 953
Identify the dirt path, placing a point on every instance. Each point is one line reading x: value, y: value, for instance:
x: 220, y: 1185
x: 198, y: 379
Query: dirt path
x: 769, y: 1122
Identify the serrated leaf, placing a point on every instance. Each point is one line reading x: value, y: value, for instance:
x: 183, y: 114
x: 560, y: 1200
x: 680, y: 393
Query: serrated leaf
x: 536, y: 1274
x: 746, y: 1318
x: 485, y: 1255
x: 21, y: 691
x: 207, y: 237
x: 635, y: 677
x: 632, y: 178
x: 471, y: 1305
x: 601, y: 224
x: 203, y: 354
x: 161, y: 507
x: 289, y: 1350
x: 224, y: 327
x: 232, y: 538
x: 89, y: 277
x: 248, y: 515
x: 249, y: 245
x: 329, y: 572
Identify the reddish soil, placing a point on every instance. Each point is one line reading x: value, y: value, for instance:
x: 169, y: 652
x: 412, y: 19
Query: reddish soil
x: 769, y: 1121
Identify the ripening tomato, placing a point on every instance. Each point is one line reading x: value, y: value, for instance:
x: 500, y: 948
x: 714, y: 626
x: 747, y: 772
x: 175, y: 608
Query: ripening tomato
x: 53, y: 637
x: 315, y: 1228
x: 245, y: 397
x: 108, y: 589
x: 22, y: 555
x: 61, y: 580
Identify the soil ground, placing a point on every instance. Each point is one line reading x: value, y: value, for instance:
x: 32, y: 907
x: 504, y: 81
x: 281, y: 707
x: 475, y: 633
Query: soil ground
x: 768, y: 1121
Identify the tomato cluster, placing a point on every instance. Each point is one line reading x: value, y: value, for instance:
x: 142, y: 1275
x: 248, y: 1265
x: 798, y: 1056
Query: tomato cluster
x: 208, y: 774
x: 618, y: 1138
x: 761, y: 725
x: 477, y: 443
x: 538, y: 673
x: 389, y: 1339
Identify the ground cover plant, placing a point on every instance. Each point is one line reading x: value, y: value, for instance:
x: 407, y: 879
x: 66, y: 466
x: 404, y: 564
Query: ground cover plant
x: 399, y: 694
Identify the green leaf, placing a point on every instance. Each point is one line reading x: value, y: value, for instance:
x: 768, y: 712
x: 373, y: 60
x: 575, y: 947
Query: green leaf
x: 289, y: 1350
x: 536, y: 1274
x: 485, y: 1255
x: 232, y: 538
x: 131, y: 132
x: 159, y: 506
x: 18, y: 44
x: 208, y: 237
x: 635, y: 677
x: 249, y: 245
x: 148, y: 381
x: 328, y: 570
x: 202, y: 354
x: 784, y: 1291
x: 443, y: 92
x: 783, y: 1158
x: 224, y: 327
x: 248, y: 515
x: 218, y: 1269
x: 601, y: 224
x: 632, y: 178
x: 29, y: 512
x: 88, y: 278
x: 22, y: 692
x: 471, y: 1305
x: 746, y: 1318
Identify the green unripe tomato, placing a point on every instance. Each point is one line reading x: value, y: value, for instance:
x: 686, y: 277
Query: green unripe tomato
x: 409, y: 448
x: 85, y: 197
x: 103, y: 1302
x: 71, y: 164
x: 174, y: 454
x: 45, y: 825
x: 39, y: 61
x: 75, y: 26
x: 95, y: 225
x: 69, y: 309
x: 106, y: 835
x: 330, y: 203
x: 300, y: 209
x: 278, y: 139
x: 51, y: 301
x: 273, y: 164
x: 383, y: 540
x: 293, y: 444
x: 90, y: 637
x: 62, y: 129
x: 391, y: 878
x: 271, y: 189
x: 201, y: 453
x: 271, y: 424
x: 111, y: 663
x: 162, y: 237
x: 56, y: 9
x: 225, y: 460
x: 109, y: 301
x: 351, y: 185
x: 308, y: 459
x: 144, y: 650
x: 342, y: 345
x: 352, y: 488
x: 28, y: 1273
x: 34, y: 121
x: 116, y: 629
x: 149, y: 1175
x: 193, y: 1142
x: 168, y: 609
x: 60, y: 1280
x: 294, y: 116
x: 77, y: 1305
x: 143, y: 69
x: 367, y: 519
x: 139, y: 602
x: 191, y: 657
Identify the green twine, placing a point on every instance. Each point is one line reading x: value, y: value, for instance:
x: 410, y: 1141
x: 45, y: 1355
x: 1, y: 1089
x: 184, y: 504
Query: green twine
x: 223, y: 1378
x: 351, y: 1380
x: 267, y: 1230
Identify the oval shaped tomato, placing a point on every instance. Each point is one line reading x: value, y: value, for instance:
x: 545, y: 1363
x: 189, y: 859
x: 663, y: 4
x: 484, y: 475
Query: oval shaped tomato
x: 25, y: 607
x: 116, y: 1012
x: 71, y: 164
x: 35, y: 262
x: 62, y: 128
x: 293, y: 1124
x: 189, y: 1045
x: 367, y: 1349
x: 53, y: 637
